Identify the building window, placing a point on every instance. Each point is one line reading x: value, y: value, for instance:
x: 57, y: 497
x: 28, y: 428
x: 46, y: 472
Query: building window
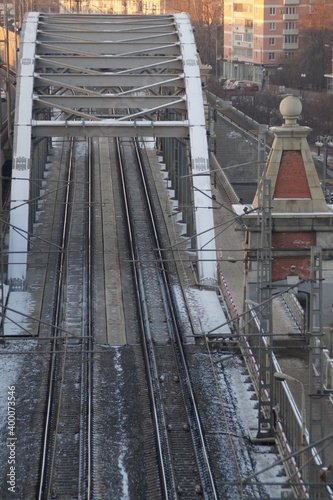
x: 240, y: 7
x: 291, y: 10
x: 290, y: 39
x: 272, y: 26
x: 272, y: 11
x: 290, y: 25
x: 271, y: 56
x: 248, y: 38
x: 272, y: 41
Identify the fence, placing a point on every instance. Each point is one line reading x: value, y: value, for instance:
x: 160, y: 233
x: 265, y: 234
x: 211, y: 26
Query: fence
x: 302, y: 463
x: 296, y: 311
x: 229, y: 190
x: 288, y: 427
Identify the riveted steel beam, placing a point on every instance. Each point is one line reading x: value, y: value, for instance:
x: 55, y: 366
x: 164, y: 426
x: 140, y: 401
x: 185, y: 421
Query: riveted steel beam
x: 109, y: 101
x: 111, y: 36
x: 111, y: 128
x: 110, y: 63
x: 87, y: 48
x: 69, y: 80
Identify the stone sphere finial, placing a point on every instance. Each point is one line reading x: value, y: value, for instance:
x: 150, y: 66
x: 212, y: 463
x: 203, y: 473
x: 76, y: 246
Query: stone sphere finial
x: 290, y: 109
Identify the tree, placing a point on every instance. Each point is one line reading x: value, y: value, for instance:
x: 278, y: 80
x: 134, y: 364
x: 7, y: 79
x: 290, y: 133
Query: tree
x: 315, y: 39
x: 206, y: 17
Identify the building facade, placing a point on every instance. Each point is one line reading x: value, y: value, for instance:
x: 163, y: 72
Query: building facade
x: 124, y: 7
x: 259, y: 35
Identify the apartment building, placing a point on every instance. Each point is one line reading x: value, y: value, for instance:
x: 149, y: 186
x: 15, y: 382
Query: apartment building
x: 259, y: 35
x: 125, y: 7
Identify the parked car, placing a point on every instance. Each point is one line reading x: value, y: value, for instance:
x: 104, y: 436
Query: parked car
x: 229, y: 84
x: 233, y: 85
x: 3, y: 95
x: 239, y: 84
x: 252, y: 86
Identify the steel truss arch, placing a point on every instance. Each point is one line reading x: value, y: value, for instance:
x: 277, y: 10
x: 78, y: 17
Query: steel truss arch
x: 99, y: 75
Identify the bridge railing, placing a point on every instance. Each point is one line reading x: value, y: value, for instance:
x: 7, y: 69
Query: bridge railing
x: 216, y: 167
x: 296, y: 311
x: 328, y: 370
x: 288, y: 422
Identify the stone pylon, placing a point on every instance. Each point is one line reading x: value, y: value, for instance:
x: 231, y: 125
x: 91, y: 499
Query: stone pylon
x: 301, y: 218
x: 294, y: 181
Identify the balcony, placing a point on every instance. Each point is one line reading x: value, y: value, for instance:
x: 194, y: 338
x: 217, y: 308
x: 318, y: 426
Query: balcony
x: 243, y: 44
x: 240, y: 28
x: 291, y: 32
x: 290, y: 46
x: 290, y: 17
x: 291, y: 2
x: 244, y: 54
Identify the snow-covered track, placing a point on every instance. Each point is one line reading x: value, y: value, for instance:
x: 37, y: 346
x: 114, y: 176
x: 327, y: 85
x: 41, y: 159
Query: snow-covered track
x: 66, y: 444
x: 180, y: 447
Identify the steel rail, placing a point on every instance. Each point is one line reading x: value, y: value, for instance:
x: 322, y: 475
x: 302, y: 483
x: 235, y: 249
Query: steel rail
x: 163, y: 271
x: 55, y: 338
x: 143, y: 314
x: 57, y: 401
x: 89, y: 321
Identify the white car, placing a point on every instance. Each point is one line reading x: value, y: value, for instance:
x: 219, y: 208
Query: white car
x: 239, y: 84
x: 233, y: 85
x: 229, y: 84
x: 3, y: 95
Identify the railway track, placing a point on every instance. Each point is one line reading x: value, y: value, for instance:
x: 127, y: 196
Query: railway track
x: 66, y: 456
x: 183, y: 461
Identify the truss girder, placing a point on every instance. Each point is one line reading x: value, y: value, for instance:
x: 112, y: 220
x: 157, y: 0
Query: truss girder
x: 97, y: 64
x: 110, y: 101
x: 100, y: 37
x: 106, y: 23
x: 88, y: 48
x: 110, y: 80
x: 109, y: 129
x: 89, y: 75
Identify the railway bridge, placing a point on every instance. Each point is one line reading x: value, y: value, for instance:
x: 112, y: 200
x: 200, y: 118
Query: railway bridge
x: 116, y: 76
x: 95, y: 76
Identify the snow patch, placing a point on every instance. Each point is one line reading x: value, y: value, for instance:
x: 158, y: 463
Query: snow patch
x: 20, y: 306
x: 206, y: 305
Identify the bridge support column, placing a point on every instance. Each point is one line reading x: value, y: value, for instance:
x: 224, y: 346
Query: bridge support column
x: 202, y: 197
x: 19, y: 215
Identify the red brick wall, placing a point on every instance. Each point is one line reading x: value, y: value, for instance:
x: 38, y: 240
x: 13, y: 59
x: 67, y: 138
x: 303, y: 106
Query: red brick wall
x: 292, y: 182
x: 281, y: 266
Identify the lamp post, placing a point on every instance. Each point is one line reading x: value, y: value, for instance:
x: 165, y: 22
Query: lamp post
x: 257, y: 40
x: 216, y: 70
x: 282, y: 377
x: 325, y: 142
x: 262, y: 71
x: 330, y: 77
x: 301, y: 90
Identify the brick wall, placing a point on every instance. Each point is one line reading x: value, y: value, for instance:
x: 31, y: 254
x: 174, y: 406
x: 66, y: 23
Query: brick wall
x: 291, y: 180
x: 281, y: 266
